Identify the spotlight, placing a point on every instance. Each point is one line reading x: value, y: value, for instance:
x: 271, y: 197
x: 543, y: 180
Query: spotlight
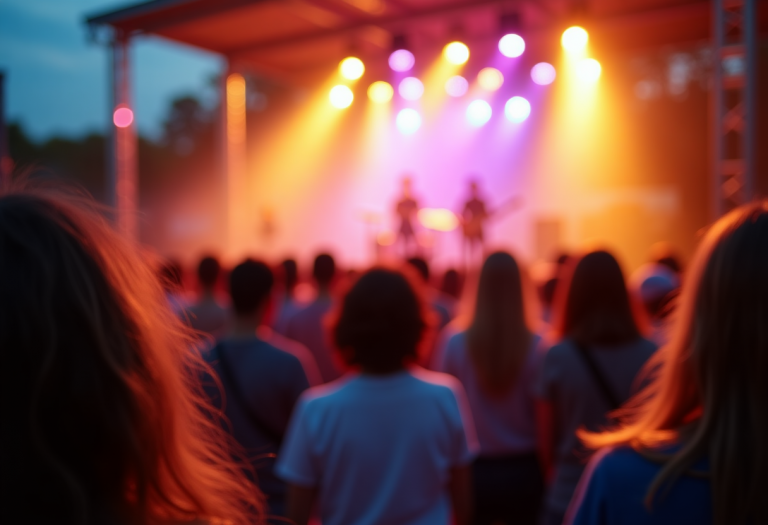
x: 351, y: 68
x: 511, y: 45
x: 401, y: 60
x: 410, y: 88
x: 479, y: 112
x: 517, y: 109
x: 380, y: 92
x: 456, y: 53
x: 122, y: 117
x: 490, y: 79
x: 574, y: 39
x: 543, y: 73
x: 588, y: 70
x: 341, y: 96
x: 408, y: 121
x: 456, y: 86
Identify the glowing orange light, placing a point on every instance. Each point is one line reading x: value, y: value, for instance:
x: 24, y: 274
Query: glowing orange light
x: 351, y: 68
x: 438, y: 219
x: 490, y: 79
x: 456, y: 53
x: 588, y: 70
x: 341, y: 96
x: 122, y: 117
x: 574, y: 39
x: 380, y: 92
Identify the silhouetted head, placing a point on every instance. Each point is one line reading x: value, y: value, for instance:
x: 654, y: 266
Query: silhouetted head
x: 451, y: 283
x: 250, y: 283
x: 381, y: 321
x: 324, y: 269
x: 421, y: 266
x: 593, y: 305
x: 290, y: 274
x: 208, y: 271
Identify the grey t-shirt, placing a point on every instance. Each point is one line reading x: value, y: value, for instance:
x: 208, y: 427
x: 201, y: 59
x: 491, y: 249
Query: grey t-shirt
x: 566, y: 382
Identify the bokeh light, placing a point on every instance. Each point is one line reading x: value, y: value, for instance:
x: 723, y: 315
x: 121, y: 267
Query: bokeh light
x: 588, y: 70
x: 456, y: 53
x: 410, y: 88
x: 517, y: 109
x: 351, y: 68
x: 401, y: 60
x: 122, y: 117
x: 479, y: 112
x: 438, y: 219
x: 341, y: 96
x: 456, y: 86
x: 380, y: 92
x: 574, y: 39
x: 490, y: 79
x: 511, y: 45
x: 543, y: 73
x: 408, y: 121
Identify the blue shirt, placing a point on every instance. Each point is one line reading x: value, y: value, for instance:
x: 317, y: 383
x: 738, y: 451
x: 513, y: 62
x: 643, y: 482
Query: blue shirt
x: 380, y: 449
x: 614, y: 486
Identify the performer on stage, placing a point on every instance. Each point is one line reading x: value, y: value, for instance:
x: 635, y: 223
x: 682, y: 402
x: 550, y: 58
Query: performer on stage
x: 406, y: 210
x: 473, y: 217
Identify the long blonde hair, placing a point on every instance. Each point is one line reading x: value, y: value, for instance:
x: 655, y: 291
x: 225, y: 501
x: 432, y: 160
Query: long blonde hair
x: 709, y: 389
x: 107, y: 420
x: 499, y: 338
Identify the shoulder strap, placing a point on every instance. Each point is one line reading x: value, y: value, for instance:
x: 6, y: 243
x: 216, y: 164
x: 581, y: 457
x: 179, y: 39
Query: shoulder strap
x: 602, y: 384
x: 229, y: 379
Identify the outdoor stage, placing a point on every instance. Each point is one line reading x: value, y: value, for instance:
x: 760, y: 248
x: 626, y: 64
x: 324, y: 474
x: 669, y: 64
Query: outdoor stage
x: 600, y: 158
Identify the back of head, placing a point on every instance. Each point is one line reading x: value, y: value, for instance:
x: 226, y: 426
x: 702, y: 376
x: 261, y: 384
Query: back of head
x: 324, y: 269
x: 498, y: 338
x: 421, y: 266
x: 290, y: 274
x: 208, y: 271
x: 451, y: 285
x: 250, y: 283
x: 710, y: 389
x: 594, y: 306
x: 104, y: 423
x: 654, y: 285
x: 381, y: 321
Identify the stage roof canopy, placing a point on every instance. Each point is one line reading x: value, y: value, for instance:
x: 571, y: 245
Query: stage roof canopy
x: 295, y: 40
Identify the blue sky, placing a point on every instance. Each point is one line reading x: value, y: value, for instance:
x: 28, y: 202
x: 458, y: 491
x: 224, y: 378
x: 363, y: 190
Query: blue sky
x: 57, y: 81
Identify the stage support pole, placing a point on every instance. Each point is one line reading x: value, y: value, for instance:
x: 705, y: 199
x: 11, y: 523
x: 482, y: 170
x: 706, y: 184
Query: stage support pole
x: 733, y: 98
x: 123, y: 176
x: 234, y: 113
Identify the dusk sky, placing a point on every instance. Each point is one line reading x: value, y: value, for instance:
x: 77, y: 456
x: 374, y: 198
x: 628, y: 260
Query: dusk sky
x: 57, y: 81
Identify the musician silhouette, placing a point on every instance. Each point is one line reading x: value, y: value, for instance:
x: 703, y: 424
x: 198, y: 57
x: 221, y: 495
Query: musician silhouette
x: 474, y: 217
x: 406, y: 209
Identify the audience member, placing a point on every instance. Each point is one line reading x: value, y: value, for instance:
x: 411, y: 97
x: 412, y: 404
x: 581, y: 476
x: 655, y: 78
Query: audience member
x: 288, y: 304
x: 390, y: 444
x: 655, y: 286
x: 261, y: 382
x: 102, y: 412
x: 691, y: 448
x: 306, y: 325
x: 589, y: 372
x: 450, y: 291
x: 495, y: 359
x: 207, y: 315
x: 439, y: 306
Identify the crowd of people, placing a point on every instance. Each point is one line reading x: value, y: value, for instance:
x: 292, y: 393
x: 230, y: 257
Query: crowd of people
x: 588, y: 399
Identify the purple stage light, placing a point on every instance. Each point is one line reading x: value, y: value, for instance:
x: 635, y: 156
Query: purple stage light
x: 479, y: 112
x: 543, y: 73
x: 411, y: 88
x: 456, y: 86
x: 517, y: 109
x: 401, y: 60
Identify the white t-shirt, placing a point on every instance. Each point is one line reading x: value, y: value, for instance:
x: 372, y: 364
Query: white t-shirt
x: 380, y: 448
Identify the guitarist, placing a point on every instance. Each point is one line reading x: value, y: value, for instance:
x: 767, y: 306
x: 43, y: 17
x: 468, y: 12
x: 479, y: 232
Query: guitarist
x: 474, y: 216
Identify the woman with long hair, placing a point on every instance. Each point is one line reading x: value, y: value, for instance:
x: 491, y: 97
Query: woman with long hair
x: 589, y: 372
x: 104, y: 418
x: 495, y: 359
x: 692, y: 447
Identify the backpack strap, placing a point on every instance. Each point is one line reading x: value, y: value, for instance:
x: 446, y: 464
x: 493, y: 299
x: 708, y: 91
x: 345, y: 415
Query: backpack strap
x: 609, y: 396
x: 239, y: 398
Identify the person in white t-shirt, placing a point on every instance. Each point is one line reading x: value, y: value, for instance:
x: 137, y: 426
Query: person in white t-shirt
x: 392, y: 443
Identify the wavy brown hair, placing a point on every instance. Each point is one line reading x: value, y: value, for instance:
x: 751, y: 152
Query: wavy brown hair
x: 105, y: 418
x: 499, y: 339
x: 709, y: 390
